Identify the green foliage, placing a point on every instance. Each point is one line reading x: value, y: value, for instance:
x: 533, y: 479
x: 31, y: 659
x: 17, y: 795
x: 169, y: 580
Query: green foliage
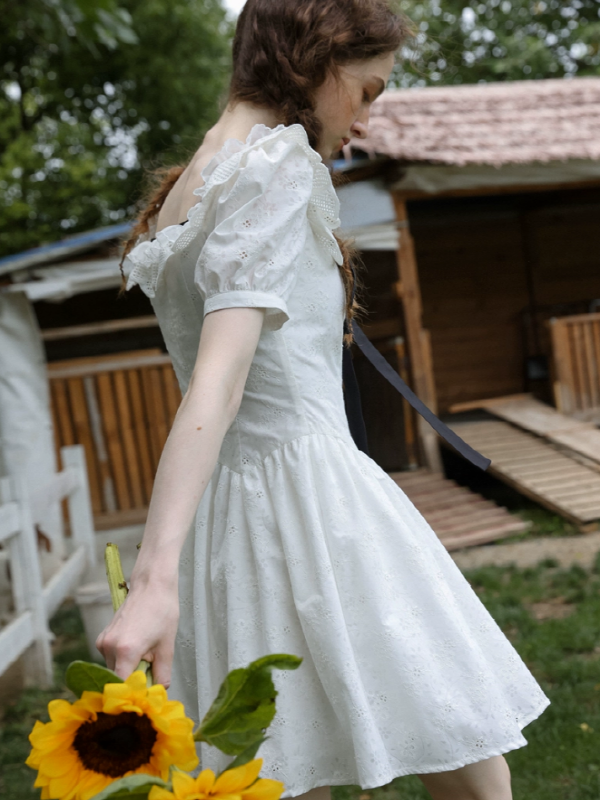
x: 93, y: 91
x: 244, y: 706
x: 133, y: 787
x: 84, y: 676
x: 248, y: 754
x: 499, y: 40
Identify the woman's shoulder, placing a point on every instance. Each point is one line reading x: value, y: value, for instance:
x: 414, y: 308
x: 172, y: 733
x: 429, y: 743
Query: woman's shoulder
x: 241, y: 169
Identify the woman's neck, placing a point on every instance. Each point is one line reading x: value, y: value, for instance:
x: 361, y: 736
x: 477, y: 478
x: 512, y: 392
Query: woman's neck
x: 237, y: 121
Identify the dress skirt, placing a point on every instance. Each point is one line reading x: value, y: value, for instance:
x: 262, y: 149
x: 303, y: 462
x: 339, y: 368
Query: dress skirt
x: 318, y: 553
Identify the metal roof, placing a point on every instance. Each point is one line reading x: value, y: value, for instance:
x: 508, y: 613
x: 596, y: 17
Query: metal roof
x: 58, y: 251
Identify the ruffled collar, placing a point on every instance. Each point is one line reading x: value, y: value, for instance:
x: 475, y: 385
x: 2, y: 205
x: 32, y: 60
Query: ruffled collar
x: 323, y: 209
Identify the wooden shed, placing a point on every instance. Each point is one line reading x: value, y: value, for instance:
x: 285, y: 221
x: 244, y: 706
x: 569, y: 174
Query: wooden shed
x: 496, y: 191
x: 475, y: 209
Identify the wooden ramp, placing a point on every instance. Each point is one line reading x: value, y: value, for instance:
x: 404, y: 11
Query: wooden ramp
x: 537, y: 468
x: 459, y: 516
x: 576, y: 435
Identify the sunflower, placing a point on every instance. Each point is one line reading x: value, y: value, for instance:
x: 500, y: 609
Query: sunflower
x: 234, y: 784
x: 125, y: 729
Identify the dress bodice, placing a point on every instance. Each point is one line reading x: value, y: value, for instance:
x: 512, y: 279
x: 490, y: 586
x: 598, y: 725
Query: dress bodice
x: 260, y: 236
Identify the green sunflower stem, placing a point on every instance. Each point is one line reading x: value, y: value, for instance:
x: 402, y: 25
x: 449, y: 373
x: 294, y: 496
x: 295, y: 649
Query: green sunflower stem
x: 114, y: 573
x: 118, y: 592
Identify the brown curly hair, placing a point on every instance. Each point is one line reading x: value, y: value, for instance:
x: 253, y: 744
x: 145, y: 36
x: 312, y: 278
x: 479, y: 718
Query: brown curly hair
x: 283, y: 51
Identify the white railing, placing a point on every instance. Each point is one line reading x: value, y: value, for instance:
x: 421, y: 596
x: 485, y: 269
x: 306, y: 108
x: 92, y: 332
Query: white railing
x: 22, y: 509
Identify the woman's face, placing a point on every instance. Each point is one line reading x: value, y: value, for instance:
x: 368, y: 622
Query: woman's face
x: 342, y: 104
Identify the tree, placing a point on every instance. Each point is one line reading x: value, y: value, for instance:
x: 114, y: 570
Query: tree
x: 500, y: 40
x: 91, y: 93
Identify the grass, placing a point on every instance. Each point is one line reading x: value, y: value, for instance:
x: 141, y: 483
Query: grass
x: 550, y: 614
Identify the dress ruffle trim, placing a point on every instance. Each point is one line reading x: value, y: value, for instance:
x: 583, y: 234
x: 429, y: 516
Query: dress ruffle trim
x: 148, y: 257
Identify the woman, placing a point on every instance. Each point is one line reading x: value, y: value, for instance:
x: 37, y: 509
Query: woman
x: 300, y: 543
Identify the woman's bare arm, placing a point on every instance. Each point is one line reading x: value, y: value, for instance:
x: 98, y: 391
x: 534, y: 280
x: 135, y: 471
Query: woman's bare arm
x: 145, y: 625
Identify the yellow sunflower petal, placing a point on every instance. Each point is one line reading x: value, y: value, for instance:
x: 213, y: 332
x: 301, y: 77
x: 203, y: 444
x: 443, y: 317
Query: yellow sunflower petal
x: 91, y: 784
x: 41, y: 780
x: 264, y: 789
x: 33, y: 759
x: 205, y: 781
x: 60, y: 710
x: 158, y: 793
x: 92, y: 702
x: 234, y: 780
x: 60, y: 786
x: 46, y: 736
x: 185, y: 785
x: 45, y: 795
x: 59, y: 763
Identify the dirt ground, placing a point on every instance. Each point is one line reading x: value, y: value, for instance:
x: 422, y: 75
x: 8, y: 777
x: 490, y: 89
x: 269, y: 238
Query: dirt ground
x: 567, y: 551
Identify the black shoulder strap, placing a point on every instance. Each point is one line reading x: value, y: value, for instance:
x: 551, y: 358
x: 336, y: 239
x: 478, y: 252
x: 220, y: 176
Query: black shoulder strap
x: 352, y: 396
x: 382, y: 366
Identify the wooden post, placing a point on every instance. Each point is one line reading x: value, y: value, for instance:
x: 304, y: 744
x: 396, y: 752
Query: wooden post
x: 38, y: 668
x: 80, y: 504
x: 419, y: 349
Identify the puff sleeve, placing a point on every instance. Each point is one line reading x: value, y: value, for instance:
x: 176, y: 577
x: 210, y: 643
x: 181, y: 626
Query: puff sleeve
x: 250, y: 258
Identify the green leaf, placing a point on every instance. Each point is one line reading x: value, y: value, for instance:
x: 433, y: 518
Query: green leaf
x: 244, y: 706
x: 134, y: 787
x: 82, y: 676
x: 246, y: 755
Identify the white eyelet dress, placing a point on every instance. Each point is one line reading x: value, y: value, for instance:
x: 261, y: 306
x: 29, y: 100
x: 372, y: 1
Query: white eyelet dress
x: 301, y: 543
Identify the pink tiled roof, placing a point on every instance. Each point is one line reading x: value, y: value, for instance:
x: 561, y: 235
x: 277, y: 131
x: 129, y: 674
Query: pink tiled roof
x: 496, y: 123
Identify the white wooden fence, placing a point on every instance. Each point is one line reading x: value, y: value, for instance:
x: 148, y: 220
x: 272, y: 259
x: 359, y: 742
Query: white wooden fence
x: 23, y: 508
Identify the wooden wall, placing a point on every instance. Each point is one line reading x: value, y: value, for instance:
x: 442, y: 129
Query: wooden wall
x: 482, y: 263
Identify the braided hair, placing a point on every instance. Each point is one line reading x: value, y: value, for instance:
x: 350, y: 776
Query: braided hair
x: 283, y: 51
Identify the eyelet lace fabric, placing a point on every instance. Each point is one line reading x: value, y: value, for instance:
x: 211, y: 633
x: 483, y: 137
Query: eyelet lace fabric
x: 301, y: 543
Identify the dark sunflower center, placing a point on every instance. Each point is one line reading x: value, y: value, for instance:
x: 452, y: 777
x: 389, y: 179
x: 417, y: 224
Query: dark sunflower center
x: 114, y: 744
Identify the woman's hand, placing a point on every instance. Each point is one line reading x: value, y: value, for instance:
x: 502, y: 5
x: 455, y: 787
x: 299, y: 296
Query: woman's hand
x: 143, y: 628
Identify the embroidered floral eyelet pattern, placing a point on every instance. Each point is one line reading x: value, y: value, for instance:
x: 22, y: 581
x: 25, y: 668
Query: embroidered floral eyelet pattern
x: 301, y: 543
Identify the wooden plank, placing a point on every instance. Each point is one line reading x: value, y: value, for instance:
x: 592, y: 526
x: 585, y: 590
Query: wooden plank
x: 15, y: 638
x: 471, y: 514
x: 576, y: 362
x: 130, y: 451
x: 98, y: 369
x: 10, y: 522
x: 94, y: 328
x: 561, y: 367
x: 458, y: 515
x: 487, y: 402
x: 545, y: 421
x: 110, y: 425
x: 120, y: 519
x: 97, y: 366
x: 461, y: 526
x: 64, y: 581
x: 522, y: 474
x: 576, y: 318
x: 96, y: 466
x: 449, y: 504
x: 60, y: 405
x: 420, y: 361
x: 122, y: 357
x: 141, y: 432
x: 172, y: 393
x: 491, y: 534
x: 592, y: 360
x: 417, y: 476
x: 155, y: 409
